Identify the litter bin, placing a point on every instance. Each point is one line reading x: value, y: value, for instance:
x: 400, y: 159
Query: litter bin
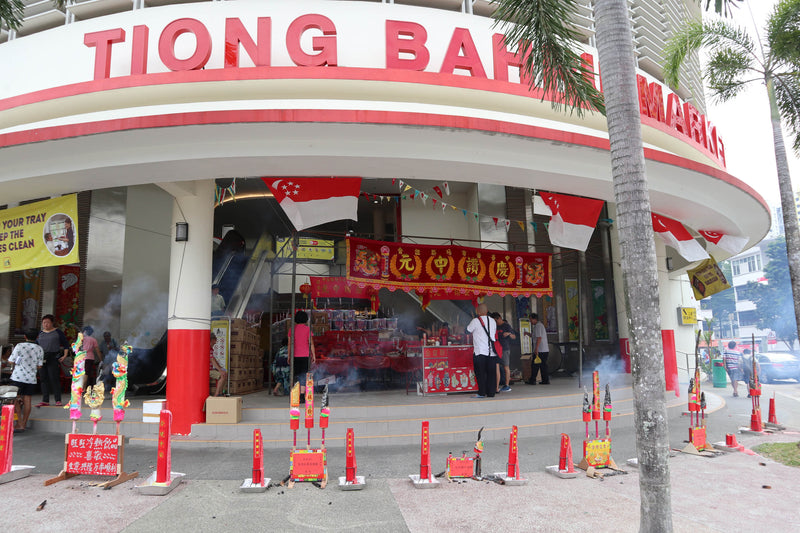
x: 718, y: 374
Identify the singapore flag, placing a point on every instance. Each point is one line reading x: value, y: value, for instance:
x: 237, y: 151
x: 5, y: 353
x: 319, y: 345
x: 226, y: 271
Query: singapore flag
x: 310, y: 202
x: 729, y: 243
x: 572, y: 219
x: 674, y: 234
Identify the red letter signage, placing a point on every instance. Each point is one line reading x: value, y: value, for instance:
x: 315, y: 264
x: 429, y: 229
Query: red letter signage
x: 651, y: 100
x: 470, y: 61
x: 406, y: 38
x: 166, y: 45
x: 235, y: 33
x: 102, y: 41
x: 326, y: 46
x: 502, y: 59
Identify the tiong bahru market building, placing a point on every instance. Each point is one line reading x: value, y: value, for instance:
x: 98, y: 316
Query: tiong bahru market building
x: 146, y: 111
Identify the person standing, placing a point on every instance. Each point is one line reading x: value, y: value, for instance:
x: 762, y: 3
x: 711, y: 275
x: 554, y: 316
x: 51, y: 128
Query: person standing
x: 217, y: 302
x: 505, y: 334
x: 484, y: 359
x: 733, y: 365
x: 93, y: 355
x: 218, y: 367
x: 541, y: 350
x: 56, y: 349
x: 27, y: 359
x: 303, y: 355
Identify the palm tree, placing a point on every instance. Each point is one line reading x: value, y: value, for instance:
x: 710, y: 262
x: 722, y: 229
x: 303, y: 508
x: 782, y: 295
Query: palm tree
x: 11, y: 12
x: 551, y: 64
x: 734, y: 61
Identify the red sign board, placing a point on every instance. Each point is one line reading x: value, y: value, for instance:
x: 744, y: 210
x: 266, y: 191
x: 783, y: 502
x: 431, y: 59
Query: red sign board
x: 94, y: 455
x: 308, y: 465
x: 443, y: 270
x: 460, y: 466
x: 448, y: 369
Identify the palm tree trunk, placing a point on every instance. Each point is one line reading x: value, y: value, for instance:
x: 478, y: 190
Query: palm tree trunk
x: 790, y: 226
x: 638, y: 260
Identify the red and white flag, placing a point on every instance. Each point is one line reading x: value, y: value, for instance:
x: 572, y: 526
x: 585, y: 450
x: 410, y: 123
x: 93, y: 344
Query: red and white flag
x: 310, y: 202
x: 573, y: 219
x: 674, y: 234
x: 729, y: 243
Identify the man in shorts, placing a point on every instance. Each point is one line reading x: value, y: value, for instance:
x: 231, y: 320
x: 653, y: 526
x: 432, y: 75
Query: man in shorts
x: 27, y: 358
x: 733, y: 365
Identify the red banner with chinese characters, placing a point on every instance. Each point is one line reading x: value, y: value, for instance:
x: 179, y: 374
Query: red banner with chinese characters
x: 67, y: 296
x: 442, y: 270
x: 96, y: 455
x: 337, y: 287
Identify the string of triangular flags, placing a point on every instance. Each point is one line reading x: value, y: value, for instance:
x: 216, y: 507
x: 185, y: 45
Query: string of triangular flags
x: 220, y: 192
x: 407, y: 191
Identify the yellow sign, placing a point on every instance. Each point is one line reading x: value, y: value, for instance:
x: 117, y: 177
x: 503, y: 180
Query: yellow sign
x: 40, y: 234
x: 707, y: 279
x: 306, y: 248
x: 687, y: 315
x: 598, y: 452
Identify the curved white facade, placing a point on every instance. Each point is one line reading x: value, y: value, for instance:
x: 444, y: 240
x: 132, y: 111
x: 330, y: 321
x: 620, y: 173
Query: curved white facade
x: 192, y: 92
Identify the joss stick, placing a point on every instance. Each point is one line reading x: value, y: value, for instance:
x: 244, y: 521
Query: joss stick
x: 324, y: 413
x: 309, y: 422
x: 76, y: 390
x: 607, y: 411
x: 94, y: 398
x: 120, y: 371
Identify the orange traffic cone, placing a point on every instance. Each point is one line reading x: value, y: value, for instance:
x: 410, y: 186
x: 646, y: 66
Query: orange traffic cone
x: 772, y: 418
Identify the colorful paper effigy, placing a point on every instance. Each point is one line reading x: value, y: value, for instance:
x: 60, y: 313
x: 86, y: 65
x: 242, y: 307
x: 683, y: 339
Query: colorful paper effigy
x: 94, y: 399
x: 78, y: 373
x: 120, y: 371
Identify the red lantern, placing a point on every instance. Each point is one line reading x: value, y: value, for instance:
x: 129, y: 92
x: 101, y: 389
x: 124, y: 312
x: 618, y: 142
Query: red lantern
x: 305, y: 288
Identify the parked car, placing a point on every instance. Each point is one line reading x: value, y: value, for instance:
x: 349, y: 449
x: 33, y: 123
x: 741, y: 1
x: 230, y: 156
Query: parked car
x: 772, y: 366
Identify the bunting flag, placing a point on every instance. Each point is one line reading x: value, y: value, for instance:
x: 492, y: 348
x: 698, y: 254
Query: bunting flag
x: 446, y: 187
x: 310, y: 202
x: 573, y: 220
x: 521, y: 225
x: 495, y: 221
x: 729, y: 243
x: 507, y: 224
x: 675, y: 235
x: 407, y: 188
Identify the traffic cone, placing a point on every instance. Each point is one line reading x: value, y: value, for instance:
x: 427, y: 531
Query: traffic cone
x: 772, y: 418
x: 755, y: 421
x: 351, y: 481
x: 425, y: 479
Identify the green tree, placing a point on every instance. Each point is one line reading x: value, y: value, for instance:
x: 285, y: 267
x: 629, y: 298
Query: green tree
x: 11, y: 12
x: 734, y: 61
x: 773, y: 300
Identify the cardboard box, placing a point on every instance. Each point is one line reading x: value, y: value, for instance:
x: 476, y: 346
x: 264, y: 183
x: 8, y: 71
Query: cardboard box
x: 151, y: 410
x: 221, y: 410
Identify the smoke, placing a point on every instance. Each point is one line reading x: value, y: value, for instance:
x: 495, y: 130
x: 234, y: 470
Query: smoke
x: 611, y: 370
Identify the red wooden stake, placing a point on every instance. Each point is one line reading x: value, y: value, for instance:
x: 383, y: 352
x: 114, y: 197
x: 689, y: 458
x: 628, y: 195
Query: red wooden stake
x: 6, y: 438
x: 350, y: 467
x: 565, y: 455
x: 258, y: 458
x: 425, y: 454
x: 164, y: 464
x: 512, y: 467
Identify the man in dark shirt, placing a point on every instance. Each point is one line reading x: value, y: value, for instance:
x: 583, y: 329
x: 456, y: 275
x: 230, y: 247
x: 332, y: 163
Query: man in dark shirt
x: 505, y: 334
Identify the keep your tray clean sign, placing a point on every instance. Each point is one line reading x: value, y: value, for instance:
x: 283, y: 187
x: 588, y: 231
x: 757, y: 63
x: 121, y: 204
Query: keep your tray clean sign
x: 39, y: 234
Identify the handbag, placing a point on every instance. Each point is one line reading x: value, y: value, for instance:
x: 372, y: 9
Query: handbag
x: 493, y: 343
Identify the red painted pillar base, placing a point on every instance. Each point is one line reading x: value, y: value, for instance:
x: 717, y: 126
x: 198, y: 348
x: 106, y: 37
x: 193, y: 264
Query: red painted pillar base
x: 187, y: 377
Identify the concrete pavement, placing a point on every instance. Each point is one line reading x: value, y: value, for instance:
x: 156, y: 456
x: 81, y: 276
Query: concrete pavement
x: 725, y: 493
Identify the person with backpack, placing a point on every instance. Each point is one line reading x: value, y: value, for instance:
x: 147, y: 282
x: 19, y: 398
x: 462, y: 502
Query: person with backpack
x: 484, y: 359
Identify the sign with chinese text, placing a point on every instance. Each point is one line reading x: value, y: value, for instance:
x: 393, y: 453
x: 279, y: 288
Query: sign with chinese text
x: 308, y: 465
x: 598, y: 452
x: 687, y: 316
x: 338, y: 287
x: 39, y: 234
x: 707, y: 279
x: 307, y: 248
x: 94, y: 455
x: 447, y: 269
x: 460, y: 467
x: 448, y: 369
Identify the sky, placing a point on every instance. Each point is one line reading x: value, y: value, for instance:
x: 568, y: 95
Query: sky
x: 745, y: 127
